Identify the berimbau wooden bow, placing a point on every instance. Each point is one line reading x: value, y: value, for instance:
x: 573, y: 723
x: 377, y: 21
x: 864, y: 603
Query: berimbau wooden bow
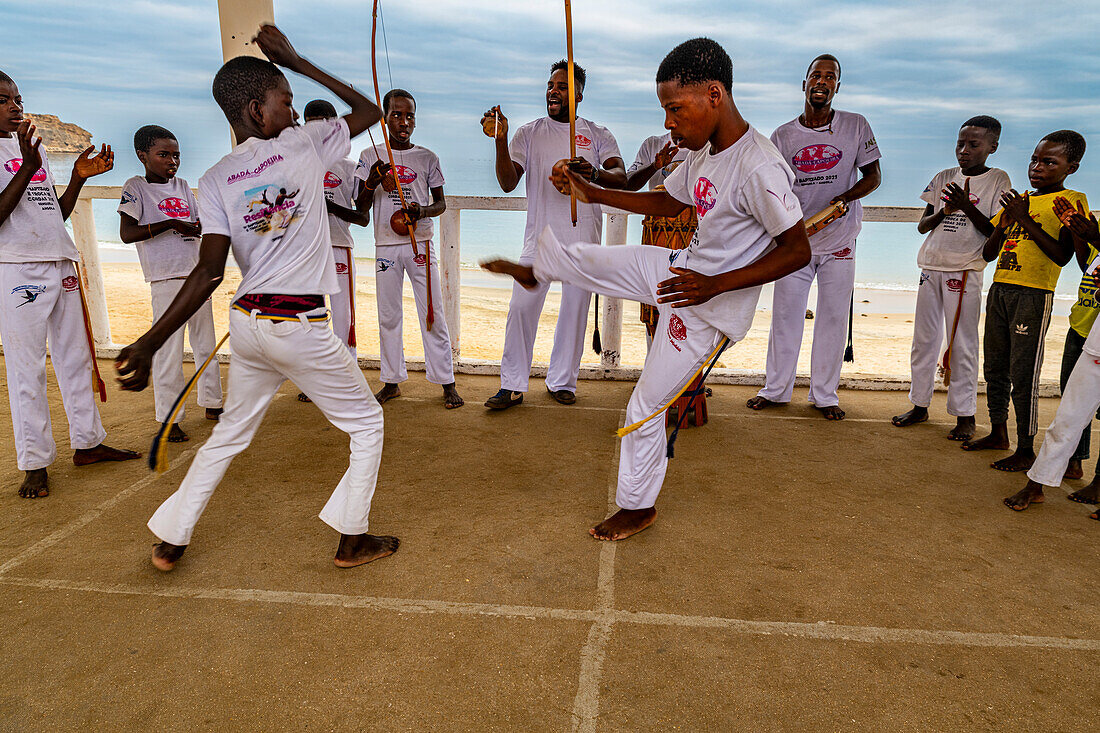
x: 572, y: 103
x: 429, y: 317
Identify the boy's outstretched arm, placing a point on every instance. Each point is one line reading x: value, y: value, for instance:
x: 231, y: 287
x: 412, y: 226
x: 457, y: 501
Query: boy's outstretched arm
x: 277, y: 48
x: 351, y: 216
x: 86, y: 166
x: 687, y: 287
x: 29, y: 149
x: 135, y: 362
x: 653, y: 203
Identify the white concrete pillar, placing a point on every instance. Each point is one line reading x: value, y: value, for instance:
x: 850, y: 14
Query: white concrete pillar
x: 611, y: 330
x: 91, y: 271
x: 450, y: 272
x: 239, y: 21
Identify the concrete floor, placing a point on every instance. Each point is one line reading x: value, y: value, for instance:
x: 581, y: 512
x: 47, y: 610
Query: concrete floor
x: 802, y: 575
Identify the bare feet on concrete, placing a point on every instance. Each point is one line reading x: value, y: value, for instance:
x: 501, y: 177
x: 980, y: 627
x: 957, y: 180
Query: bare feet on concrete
x: 360, y: 549
x: 1030, y: 494
x: 996, y: 440
x: 964, y: 429
x: 832, y: 412
x: 624, y: 523
x: 1021, y: 460
x: 36, y: 485
x: 87, y: 456
x: 387, y: 393
x: 761, y: 403
x: 176, y: 435
x: 166, y: 555
x: 1088, y: 495
x: 451, y: 399
x: 1074, y: 470
x: 914, y: 416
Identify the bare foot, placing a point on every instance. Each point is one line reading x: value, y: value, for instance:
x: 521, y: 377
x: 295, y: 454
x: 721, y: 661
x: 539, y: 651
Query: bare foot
x: 36, y: 485
x: 522, y: 274
x: 451, y: 398
x: 832, y: 412
x: 996, y: 440
x: 302, y: 397
x: 964, y: 429
x: 1021, y: 460
x: 87, y: 456
x: 624, y: 523
x: 1074, y: 470
x: 761, y: 403
x: 166, y: 555
x: 1025, y: 497
x: 1088, y: 495
x: 176, y: 435
x: 387, y: 393
x: 359, y: 549
x: 214, y: 413
x: 914, y: 416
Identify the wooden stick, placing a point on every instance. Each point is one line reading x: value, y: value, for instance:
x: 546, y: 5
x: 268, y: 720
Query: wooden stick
x: 572, y: 104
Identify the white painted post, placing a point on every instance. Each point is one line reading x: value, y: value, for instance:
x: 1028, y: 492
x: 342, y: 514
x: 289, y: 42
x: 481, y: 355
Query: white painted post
x: 92, y: 272
x: 612, y: 327
x: 450, y: 271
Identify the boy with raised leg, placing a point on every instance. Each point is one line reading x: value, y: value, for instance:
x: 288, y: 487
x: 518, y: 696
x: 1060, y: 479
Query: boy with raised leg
x: 959, y: 201
x: 750, y: 232
x: 158, y: 214
x: 40, y: 300
x: 265, y: 199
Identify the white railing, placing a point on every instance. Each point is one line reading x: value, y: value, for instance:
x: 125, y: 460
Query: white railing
x: 450, y: 248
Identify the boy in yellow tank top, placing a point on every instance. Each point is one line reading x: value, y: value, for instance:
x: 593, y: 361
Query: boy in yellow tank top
x: 1031, y: 246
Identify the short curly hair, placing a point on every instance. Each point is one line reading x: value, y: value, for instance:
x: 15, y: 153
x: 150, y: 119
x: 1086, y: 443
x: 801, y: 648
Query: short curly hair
x: 240, y: 80
x: 990, y: 124
x: 1072, y: 142
x: 149, y: 134
x: 319, y: 108
x: 695, y: 62
x: 579, y: 76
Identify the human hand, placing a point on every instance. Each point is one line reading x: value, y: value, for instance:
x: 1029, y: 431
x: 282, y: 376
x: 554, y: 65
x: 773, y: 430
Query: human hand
x: 413, y: 212
x: 665, y: 155
x: 187, y: 228
x: 29, y: 146
x: 379, y: 172
x: 276, y: 46
x: 583, y: 168
x: 134, y: 364
x: 494, y: 124
x: 88, y: 165
x: 1016, y: 206
x: 686, y: 288
x: 1080, y: 222
x: 955, y: 197
x: 569, y: 183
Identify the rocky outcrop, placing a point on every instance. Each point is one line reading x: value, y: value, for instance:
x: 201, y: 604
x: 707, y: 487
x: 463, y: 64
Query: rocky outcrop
x: 58, y: 136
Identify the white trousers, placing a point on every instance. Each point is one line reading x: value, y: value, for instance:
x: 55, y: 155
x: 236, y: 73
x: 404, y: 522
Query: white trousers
x: 343, y: 302
x: 392, y: 263
x: 265, y: 354
x: 938, y: 298
x: 836, y: 277
x: 682, y: 343
x: 522, y: 325
x: 168, y: 379
x: 40, y: 303
x: 1080, y: 400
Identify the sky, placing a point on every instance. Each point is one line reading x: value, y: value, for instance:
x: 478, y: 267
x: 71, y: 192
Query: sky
x: 916, y: 70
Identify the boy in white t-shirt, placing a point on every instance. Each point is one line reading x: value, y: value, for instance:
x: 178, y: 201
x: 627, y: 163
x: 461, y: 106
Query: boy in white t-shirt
x: 339, y: 201
x: 421, y: 180
x: 750, y: 232
x: 265, y: 199
x: 158, y: 214
x: 40, y: 300
x: 533, y: 151
x: 959, y: 201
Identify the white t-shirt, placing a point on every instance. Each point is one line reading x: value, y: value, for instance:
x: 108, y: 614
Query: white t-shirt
x: 340, y: 189
x: 419, y: 172
x: 956, y: 245
x: 826, y: 162
x: 1092, y: 343
x: 169, y: 254
x: 744, y: 199
x: 268, y: 197
x: 35, y: 231
x: 650, y: 147
x: 536, y: 147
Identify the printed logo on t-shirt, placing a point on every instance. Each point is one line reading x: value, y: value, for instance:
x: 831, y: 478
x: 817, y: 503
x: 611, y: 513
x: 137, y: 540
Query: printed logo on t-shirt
x: 128, y: 198
x: 253, y: 172
x: 341, y: 268
x: 175, y: 208
x: 677, y: 331
x: 816, y: 158
x: 705, y: 195
x: 787, y: 200
x: 844, y: 254
x: 29, y: 293
x: 69, y: 283
x: 332, y: 180
x: 405, y: 174
x: 270, y: 208
x: 13, y: 166
x: 382, y: 264
x: 954, y: 284
x: 583, y: 142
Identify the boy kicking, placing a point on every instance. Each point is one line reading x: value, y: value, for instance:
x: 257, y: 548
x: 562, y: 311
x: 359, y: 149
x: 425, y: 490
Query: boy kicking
x: 265, y: 199
x: 158, y: 214
x: 40, y: 300
x: 421, y: 179
x: 750, y: 232
x: 959, y: 201
x: 1031, y: 246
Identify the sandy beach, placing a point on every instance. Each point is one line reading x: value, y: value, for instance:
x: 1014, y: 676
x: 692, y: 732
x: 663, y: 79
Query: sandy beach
x: 883, y: 325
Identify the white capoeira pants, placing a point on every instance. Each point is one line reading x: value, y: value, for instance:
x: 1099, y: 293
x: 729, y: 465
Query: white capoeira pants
x: 1080, y: 400
x: 522, y: 325
x: 682, y: 343
x: 265, y: 354
x: 168, y: 379
x: 40, y: 303
x: 836, y: 277
x: 392, y: 263
x: 938, y: 297
x: 343, y: 302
